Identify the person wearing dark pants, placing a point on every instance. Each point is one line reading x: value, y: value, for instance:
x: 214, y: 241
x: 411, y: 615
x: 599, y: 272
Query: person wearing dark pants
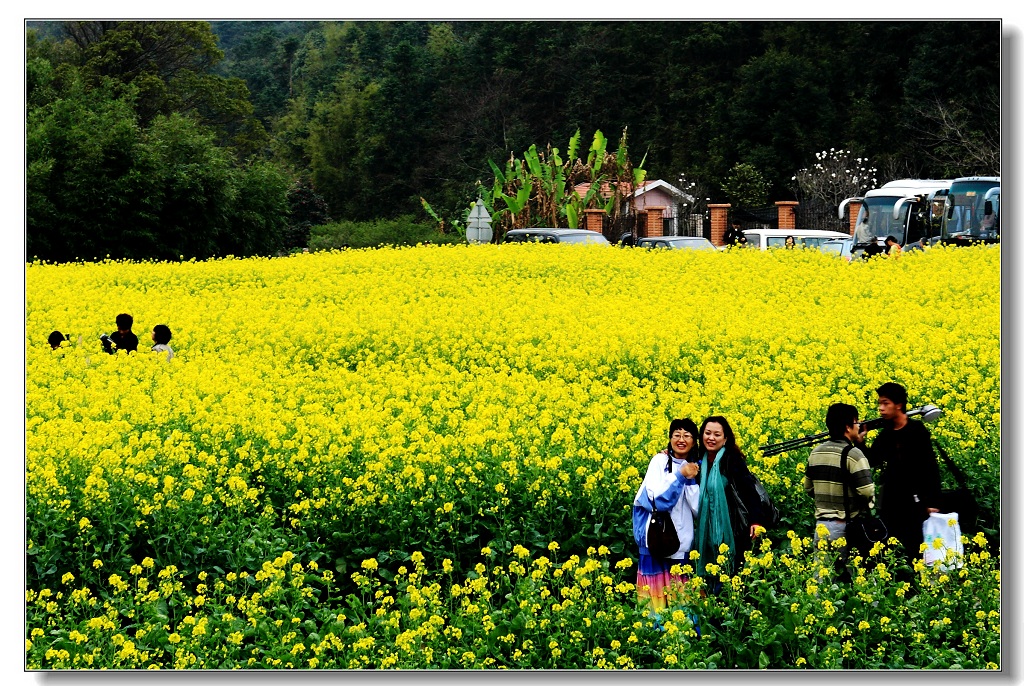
x: 910, y: 484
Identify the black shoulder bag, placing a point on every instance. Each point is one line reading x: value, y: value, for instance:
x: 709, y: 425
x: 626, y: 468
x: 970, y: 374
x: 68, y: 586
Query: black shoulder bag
x: 863, y: 532
x: 959, y: 499
x: 662, y: 539
x: 739, y: 513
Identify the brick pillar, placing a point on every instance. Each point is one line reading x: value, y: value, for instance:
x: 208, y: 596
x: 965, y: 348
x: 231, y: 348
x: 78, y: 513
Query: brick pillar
x: 655, y: 226
x: 787, y: 213
x: 719, y: 222
x: 593, y: 220
x: 853, y: 207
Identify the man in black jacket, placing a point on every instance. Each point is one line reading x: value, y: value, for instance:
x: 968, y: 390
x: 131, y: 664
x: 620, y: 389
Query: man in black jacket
x: 123, y: 338
x: 734, y: 234
x: 910, y: 484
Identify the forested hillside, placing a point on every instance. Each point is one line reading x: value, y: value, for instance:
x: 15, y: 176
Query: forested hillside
x: 159, y: 139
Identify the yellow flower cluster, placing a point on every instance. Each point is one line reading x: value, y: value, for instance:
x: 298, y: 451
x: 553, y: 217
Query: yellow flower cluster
x: 316, y: 396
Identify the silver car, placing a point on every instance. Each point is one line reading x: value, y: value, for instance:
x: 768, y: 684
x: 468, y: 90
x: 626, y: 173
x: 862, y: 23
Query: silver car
x: 543, y: 235
x: 838, y: 246
x: 676, y: 243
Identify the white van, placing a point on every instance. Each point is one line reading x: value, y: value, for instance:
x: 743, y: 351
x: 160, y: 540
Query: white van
x: 776, y: 238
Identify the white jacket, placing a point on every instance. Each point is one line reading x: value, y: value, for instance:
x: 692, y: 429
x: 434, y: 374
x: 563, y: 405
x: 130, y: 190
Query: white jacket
x: 668, y: 490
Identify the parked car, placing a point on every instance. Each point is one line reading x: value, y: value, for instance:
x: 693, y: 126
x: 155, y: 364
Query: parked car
x: 776, y: 238
x: 544, y: 235
x: 677, y: 243
x: 839, y: 246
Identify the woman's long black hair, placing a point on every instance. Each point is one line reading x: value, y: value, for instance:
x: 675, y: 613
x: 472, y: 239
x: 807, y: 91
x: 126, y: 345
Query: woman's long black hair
x: 730, y: 437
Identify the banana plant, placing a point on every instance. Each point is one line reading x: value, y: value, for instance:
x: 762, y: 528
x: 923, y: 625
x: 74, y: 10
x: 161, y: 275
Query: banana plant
x: 539, y: 186
x: 574, y: 147
x: 458, y: 226
x: 597, y: 150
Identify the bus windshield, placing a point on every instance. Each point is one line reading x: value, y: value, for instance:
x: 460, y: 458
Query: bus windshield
x: 878, y: 222
x: 965, y: 211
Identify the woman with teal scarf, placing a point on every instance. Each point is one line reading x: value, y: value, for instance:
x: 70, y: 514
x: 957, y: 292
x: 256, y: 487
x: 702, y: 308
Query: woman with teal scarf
x: 723, y: 463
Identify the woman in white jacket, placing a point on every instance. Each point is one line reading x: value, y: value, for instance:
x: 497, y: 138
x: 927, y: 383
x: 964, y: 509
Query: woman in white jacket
x: 670, y: 484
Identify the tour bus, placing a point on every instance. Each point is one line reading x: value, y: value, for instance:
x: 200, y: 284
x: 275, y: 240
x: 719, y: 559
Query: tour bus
x: 906, y: 209
x: 971, y: 211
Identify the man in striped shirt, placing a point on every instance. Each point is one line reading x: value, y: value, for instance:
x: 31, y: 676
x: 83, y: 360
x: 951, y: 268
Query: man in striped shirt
x: 825, y: 477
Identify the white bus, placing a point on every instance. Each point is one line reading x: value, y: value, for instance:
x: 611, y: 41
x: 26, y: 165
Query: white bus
x: 971, y: 211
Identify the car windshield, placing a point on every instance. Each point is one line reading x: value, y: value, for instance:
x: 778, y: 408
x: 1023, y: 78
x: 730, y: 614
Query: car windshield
x: 529, y: 238
x: 692, y: 243
x: 816, y: 241
x: 875, y: 220
x: 833, y: 246
x: 679, y: 243
x: 584, y: 238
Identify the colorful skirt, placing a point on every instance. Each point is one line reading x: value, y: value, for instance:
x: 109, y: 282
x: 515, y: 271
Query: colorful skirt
x: 656, y: 585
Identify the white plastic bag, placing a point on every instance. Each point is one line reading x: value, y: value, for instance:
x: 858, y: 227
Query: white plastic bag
x: 941, y: 534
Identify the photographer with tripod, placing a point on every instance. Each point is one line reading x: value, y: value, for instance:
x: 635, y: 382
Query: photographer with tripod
x: 827, y: 479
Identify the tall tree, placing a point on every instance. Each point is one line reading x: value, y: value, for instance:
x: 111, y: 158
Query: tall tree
x: 100, y: 180
x: 168, y: 64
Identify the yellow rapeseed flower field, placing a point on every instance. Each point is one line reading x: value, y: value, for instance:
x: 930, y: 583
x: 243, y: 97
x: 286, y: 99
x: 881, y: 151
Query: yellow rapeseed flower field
x: 352, y: 410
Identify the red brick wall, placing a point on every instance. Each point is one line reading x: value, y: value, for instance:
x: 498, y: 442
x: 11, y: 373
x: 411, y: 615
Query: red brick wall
x: 787, y: 213
x: 655, y: 226
x: 719, y: 222
x: 593, y: 220
x: 853, y: 207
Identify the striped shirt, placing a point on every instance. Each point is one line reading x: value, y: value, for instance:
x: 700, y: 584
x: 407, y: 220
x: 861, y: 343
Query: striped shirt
x: 824, y: 479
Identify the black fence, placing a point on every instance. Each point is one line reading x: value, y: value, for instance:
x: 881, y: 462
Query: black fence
x: 755, y: 217
x: 820, y: 216
x: 694, y: 224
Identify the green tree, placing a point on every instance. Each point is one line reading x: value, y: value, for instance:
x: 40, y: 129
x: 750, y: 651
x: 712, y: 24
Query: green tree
x: 263, y: 55
x: 780, y: 106
x: 745, y: 186
x: 168, y: 65
x: 257, y: 216
x: 87, y: 178
x: 98, y: 183
x: 342, y: 148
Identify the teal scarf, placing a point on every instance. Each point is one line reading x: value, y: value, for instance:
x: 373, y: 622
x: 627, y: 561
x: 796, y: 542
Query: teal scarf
x: 714, y: 526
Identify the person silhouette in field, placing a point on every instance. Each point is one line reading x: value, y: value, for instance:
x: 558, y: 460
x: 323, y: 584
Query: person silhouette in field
x: 55, y: 339
x: 161, y: 336
x: 123, y: 338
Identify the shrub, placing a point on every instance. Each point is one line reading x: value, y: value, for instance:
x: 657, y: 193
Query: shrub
x: 352, y: 234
